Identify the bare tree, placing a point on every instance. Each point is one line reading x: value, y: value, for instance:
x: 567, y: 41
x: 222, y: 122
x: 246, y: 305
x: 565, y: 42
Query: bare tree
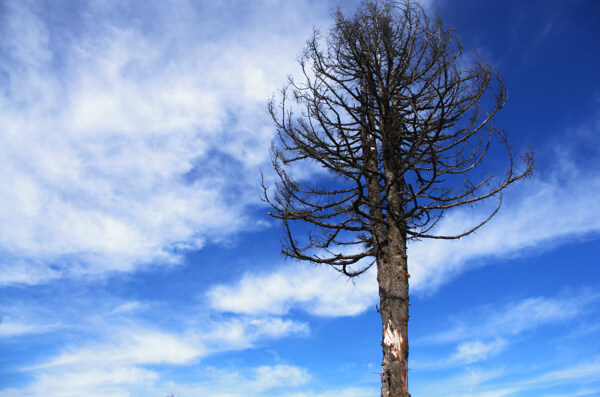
x: 402, y: 122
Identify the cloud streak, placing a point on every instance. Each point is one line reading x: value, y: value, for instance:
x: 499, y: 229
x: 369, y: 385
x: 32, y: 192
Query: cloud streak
x: 488, y: 332
x: 116, y: 351
x: 319, y: 291
x: 518, y: 317
x: 499, y: 383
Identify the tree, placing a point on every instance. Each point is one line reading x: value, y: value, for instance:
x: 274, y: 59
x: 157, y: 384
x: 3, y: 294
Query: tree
x: 402, y: 121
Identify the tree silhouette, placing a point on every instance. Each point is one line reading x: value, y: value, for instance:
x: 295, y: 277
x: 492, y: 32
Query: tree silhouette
x: 402, y: 121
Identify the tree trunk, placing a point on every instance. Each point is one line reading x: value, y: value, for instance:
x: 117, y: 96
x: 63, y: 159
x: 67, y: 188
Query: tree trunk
x: 392, y: 277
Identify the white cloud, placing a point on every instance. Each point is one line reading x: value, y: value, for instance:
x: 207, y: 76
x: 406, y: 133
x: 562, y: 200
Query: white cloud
x: 135, y: 381
x: 90, y: 381
x: 126, y: 341
x: 126, y: 143
x: 134, y: 347
x: 99, y: 344
x: 473, y: 351
x: 242, y: 333
x: 128, y: 307
x: 268, y: 377
x: 319, y: 291
x: 126, y: 357
x: 466, y: 353
x: 15, y: 323
x: 534, y: 312
x: 344, y: 392
x: 10, y: 328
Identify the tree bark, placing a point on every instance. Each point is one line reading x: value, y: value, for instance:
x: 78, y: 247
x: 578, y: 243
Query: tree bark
x: 389, y: 240
x: 392, y: 277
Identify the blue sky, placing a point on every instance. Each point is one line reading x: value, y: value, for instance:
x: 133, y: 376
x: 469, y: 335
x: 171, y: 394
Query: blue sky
x: 136, y: 258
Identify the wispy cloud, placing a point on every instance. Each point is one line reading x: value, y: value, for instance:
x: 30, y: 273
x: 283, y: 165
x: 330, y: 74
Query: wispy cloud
x: 489, y: 332
x: 132, y: 347
x: 319, y: 291
x: 118, y: 352
x: 467, y: 383
x: 241, y: 333
x: 130, y: 381
x: 90, y: 381
x: 17, y: 321
x: 584, y: 391
x: 498, y: 383
x: 345, y: 392
x: 9, y: 328
x: 473, y: 351
x: 266, y: 380
x: 589, y: 370
x: 517, y: 317
x: 126, y: 144
x: 465, y: 353
x: 556, y: 207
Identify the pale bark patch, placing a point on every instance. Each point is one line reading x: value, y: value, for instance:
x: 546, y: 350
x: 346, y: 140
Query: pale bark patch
x: 393, y: 338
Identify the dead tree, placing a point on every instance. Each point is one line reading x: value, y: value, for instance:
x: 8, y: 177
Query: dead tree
x: 402, y: 122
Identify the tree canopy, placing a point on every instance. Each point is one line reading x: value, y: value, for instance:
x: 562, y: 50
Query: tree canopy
x: 388, y: 102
